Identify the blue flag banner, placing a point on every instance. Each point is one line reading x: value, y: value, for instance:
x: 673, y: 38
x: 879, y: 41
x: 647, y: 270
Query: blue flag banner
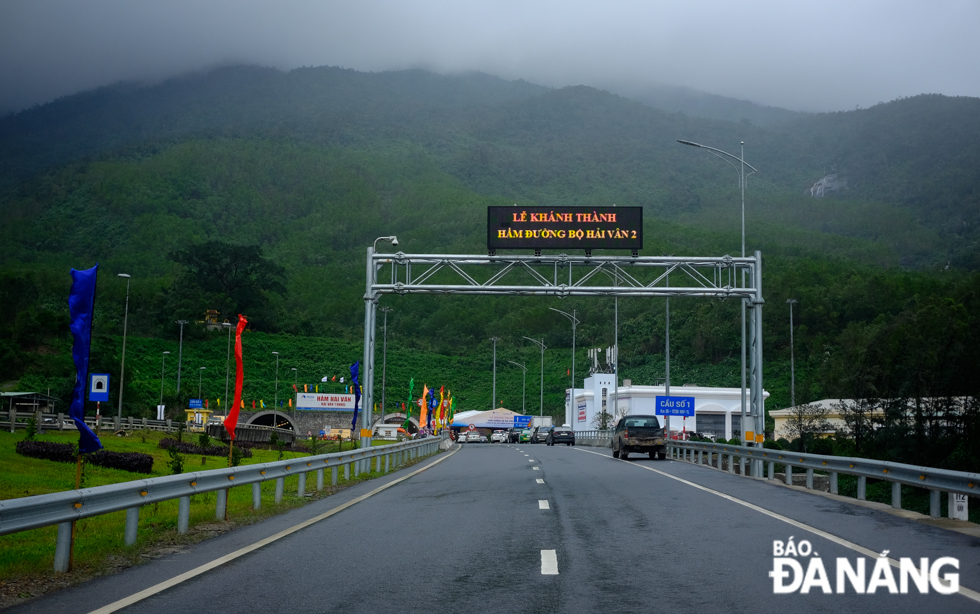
x: 81, y: 305
x: 357, y: 391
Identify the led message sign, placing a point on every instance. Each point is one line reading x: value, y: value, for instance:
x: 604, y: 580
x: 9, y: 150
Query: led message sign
x: 565, y: 228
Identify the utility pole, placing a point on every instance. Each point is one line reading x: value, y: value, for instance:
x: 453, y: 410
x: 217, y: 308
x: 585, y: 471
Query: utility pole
x: 180, y: 353
x: 493, y: 403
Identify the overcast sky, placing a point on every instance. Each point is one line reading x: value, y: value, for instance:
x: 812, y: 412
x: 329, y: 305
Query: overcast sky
x: 813, y: 56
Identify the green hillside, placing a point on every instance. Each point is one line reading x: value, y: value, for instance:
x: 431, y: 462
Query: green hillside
x: 298, y: 172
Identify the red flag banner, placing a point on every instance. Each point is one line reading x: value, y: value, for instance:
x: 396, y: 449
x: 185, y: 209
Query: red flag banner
x: 232, y: 420
x: 294, y: 388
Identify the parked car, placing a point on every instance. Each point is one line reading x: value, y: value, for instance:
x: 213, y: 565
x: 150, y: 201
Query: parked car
x: 561, y: 434
x: 499, y: 436
x: 541, y: 433
x: 639, y: 434
x: 526, y: 435
x: 474, y: 437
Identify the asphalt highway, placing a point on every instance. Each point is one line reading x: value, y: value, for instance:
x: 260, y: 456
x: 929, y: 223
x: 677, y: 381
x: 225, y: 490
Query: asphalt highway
x: 531, y: 528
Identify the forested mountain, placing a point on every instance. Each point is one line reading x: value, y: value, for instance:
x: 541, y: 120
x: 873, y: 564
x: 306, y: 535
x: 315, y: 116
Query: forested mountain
x: 296, y: 173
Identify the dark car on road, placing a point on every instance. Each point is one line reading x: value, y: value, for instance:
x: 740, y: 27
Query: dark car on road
x: 514, y: 434
x: 561, y: 434
x: 540, y: 433
x: 641, y: 434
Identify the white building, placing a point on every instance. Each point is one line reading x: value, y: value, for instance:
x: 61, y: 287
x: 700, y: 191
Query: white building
x: 717, y: 411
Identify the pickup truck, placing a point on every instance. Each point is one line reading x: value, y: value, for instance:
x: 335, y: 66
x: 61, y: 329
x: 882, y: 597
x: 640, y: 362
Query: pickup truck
x: 641, y: 434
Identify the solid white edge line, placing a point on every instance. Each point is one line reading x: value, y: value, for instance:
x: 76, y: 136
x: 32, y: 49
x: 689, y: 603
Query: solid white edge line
x: 549, y: 563
x: 543, y: 504
x: 966, y: 592
x: 162, y: 586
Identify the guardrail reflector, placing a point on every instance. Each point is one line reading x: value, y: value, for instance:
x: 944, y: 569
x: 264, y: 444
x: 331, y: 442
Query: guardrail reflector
x: 193, y: 483
x: 77, y: 505
x: 231, y: 477
x: 142, y: 493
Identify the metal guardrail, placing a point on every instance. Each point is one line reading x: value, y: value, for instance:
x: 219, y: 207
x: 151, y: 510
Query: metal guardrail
x: 936, y: 481
x: 64, y: 508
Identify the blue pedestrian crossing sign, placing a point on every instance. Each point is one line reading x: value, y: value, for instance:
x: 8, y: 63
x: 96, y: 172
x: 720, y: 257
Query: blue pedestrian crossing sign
x: 675, y: 406
x: 98, y: 387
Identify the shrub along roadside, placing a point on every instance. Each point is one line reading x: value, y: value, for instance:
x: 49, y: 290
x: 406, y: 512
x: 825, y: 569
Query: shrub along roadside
x: 134, y: 462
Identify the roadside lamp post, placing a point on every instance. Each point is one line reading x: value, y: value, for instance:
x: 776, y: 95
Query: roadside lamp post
x: 122, y: 367
x: 493, y: 403
x: 384, y: 360
x: 792, y: 364
x: 229, y: 326
x: 571, y: 398
x: 541, y: 345
x: 200, y: 374
x: 180, y: 353
x: 163, y: 366
x: 742, y: 176
x: 275, y: 402
x: 524, y: 386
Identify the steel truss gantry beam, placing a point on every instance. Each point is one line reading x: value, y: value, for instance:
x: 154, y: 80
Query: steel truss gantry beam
x: 565, y: 275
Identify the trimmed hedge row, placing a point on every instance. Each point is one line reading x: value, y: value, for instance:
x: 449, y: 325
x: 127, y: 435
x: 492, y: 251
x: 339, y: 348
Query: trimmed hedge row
x: 135, y: 462
x: 46, y: 450
x: 191, y: 449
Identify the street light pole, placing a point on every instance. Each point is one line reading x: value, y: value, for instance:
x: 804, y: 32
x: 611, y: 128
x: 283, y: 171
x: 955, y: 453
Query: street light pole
x: 384, y: 360
x: 180, y: 353
x: 122, y: 367
x: 163, y: 363
x: 524, y: 389
x: 727, y: 157
x: 571, y: 399
x: 200, y: 374
x: 541, y: 345
x: 275, y: 401
x: 229, y: 326
x: 493, y: 403
x: 792, y: 363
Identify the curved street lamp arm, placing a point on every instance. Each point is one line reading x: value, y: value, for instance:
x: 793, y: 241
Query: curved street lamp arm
x: 537, y: 343
x: 571, y: 318
x: 725, y: 153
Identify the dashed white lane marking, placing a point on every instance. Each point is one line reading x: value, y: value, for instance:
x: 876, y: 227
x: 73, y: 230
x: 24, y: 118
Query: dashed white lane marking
x: 525, y: 455
x: 539, y: 481
x: 530, y: 460
x: 549, y: 563
x: 197, y: 571
x: 966, y: 592
x: 543, y: 504
x: 536, y: 468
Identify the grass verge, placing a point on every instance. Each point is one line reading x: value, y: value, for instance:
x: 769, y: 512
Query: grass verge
x: 27, y: 558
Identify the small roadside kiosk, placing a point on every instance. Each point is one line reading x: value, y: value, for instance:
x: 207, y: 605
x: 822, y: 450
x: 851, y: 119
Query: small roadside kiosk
x: 197, y: 418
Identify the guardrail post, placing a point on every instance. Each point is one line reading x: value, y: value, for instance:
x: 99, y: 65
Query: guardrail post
x: 301, y: 490
x: 221, y: 506
x: 772, y: 470
x: 934, y: 509
x: 833, y: 483
x: 280, y: 486
x: 319, y: 479
x: 62, y: 547
x: 896, y: 495
x: 183, y: 514
x: 132, y: 525
x: 789, y: 475
x: 862, y: 487
x: 809, y: 479
x: 144, y: 422
x: 347, y: 471
x: 357, y: 468
x: 387, y: 461
x: 256, y: 495
x: 333, y: 475
x: 741, y: 465
x: 61, y: 422
x: 731, y: 463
